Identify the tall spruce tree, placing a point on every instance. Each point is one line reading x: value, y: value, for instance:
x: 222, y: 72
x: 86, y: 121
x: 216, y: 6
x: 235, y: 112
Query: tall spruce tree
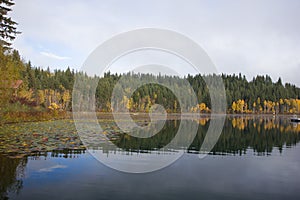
x: 8, y: 29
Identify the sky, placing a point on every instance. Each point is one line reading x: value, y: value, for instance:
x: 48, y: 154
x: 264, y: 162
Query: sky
x: 240, y: 36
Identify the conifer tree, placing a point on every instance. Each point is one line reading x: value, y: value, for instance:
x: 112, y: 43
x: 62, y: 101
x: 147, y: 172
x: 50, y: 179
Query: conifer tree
x: 8, y: 29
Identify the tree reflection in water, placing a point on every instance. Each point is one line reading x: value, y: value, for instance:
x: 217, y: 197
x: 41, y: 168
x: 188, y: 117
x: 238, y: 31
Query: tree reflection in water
x: 12, y: 168
x: 261, y: 134
x: 240, y: 134
x: 11, y: 175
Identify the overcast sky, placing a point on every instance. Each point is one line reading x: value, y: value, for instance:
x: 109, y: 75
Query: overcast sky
x: 252, y: 37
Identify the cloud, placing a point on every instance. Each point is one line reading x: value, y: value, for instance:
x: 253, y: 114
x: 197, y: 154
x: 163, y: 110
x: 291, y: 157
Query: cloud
x: 51, y: 55
x: 50, y: 169
x: 239, y: 36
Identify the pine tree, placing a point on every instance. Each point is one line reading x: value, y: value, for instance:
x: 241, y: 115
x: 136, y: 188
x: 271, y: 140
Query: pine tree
x: 8, y: 29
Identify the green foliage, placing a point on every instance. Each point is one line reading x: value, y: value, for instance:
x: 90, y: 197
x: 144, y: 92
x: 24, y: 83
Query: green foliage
x: 11, y: 69
x: 238, y: 89
x: 41, y: 88
x: 8, y: 30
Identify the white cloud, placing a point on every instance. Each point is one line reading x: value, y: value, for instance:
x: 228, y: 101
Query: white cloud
x: 251, y: 37
x: 51, y: 55
x: 50, y: 169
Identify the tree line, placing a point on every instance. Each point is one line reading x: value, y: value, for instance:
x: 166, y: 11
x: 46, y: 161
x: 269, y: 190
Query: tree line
x: 53, y: 90
x: 23, y: 86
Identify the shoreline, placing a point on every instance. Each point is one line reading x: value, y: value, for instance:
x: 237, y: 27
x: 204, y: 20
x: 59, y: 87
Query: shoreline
x: 27, y: 117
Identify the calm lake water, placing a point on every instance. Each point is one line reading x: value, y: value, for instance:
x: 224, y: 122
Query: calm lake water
x: 254, y: 158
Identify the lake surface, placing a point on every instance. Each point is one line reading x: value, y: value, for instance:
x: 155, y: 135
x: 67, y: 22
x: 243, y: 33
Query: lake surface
x: 254, y: 158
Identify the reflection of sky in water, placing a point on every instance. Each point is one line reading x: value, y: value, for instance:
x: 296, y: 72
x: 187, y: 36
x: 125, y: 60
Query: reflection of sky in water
x: 50, y: 169
x: 270, y: 175
x: 217, y: 177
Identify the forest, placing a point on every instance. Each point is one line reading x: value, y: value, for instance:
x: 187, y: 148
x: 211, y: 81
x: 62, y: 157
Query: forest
x: 28, y: 88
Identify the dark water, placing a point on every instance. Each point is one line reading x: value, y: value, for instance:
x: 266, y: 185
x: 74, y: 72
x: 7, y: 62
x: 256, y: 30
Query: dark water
x: 255, y: 158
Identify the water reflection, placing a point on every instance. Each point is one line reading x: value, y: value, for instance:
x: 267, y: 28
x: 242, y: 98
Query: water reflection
x: 260, y: 134
x: 65, y: 153
x: 11, y: 174
x: 12, y: 168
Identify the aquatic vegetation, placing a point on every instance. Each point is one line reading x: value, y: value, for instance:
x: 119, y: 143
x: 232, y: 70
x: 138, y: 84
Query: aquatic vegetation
x: 26, y: 138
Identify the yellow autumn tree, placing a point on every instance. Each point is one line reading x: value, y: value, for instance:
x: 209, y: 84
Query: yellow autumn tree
x: 40, y: 97
x: 202, y: 107
x: 66, y: 97
x: 234, y: 107
x: 240, y: 106
x: 254, y: 106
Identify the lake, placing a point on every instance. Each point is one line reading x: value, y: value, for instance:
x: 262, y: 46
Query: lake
x: 254, y: 158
